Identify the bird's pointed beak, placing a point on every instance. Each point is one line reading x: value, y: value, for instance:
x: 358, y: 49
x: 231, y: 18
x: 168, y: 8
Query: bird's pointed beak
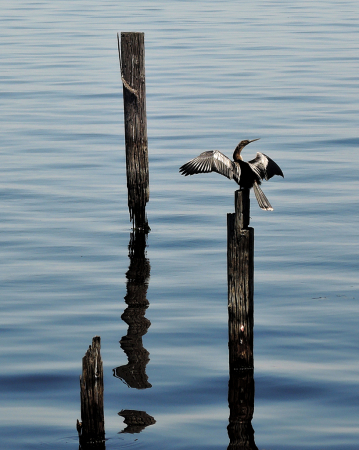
x: 254, y: 140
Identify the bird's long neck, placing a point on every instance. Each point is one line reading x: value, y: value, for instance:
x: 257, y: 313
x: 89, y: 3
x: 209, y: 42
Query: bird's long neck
x: 237, y: 154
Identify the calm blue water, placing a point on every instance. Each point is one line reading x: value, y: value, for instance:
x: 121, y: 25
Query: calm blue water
x: 216, y: 73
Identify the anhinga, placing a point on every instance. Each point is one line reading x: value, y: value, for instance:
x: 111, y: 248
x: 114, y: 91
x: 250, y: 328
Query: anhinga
x: 246, y: 174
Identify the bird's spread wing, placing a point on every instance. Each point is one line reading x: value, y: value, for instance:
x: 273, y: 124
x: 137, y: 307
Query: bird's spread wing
x: 212, y: 161
x: 265, y: 167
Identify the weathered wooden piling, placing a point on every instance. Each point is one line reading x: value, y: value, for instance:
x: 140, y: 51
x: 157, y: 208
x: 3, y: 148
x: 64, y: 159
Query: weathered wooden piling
x: 92, y: 428
x: 240, y: 266
x: 132, y: 65
x: 240, y: 270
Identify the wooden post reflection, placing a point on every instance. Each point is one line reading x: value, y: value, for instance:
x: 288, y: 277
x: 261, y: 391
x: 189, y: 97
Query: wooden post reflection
x: 136, y: 421
x: 240, y: 269
x: 138, y: 274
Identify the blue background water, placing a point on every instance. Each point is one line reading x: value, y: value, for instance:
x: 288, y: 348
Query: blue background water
x: 216, y: 73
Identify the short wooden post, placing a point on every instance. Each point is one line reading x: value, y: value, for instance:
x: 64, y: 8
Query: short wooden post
x: 92, y: 429
x: 240, y: 267
x: 132, y: 64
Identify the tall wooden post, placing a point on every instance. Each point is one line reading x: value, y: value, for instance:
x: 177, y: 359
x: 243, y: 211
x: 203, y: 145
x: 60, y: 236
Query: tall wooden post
x: 92, y: 429
x: 240, y: 266
x: 132, y: 64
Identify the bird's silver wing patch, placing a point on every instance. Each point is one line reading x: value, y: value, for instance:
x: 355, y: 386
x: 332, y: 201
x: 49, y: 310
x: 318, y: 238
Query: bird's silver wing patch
x: 211, y: 161
x: 265, y: 167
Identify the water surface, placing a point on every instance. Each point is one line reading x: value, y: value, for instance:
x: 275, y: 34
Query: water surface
x: 216, y: 73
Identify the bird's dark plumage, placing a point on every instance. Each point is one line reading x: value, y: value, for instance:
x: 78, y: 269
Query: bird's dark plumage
x: 246, y: 174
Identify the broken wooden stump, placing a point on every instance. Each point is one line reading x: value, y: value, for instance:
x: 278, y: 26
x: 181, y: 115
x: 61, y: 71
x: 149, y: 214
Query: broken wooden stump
x: 91, y: 429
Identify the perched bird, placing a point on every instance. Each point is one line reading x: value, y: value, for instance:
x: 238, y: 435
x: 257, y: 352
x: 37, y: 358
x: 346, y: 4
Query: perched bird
x: 247, y: 174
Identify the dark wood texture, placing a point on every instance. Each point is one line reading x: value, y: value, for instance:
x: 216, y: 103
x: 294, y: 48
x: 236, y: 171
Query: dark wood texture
x: 241, y: 407
x: 242, y: 209
x: 132, y: 63
x: 240, y: 267
x: 92, y: 428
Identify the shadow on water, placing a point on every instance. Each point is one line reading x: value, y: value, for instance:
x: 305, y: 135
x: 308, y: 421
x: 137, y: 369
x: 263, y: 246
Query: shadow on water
x: 138, y: 274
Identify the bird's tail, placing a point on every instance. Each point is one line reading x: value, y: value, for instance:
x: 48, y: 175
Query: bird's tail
x: 262, y: 200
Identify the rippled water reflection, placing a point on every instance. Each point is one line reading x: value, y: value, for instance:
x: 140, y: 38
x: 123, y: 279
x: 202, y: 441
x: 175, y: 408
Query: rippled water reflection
x: 216, y: 73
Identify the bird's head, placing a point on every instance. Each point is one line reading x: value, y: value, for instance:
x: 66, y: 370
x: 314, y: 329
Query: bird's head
x: 237, y: 152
